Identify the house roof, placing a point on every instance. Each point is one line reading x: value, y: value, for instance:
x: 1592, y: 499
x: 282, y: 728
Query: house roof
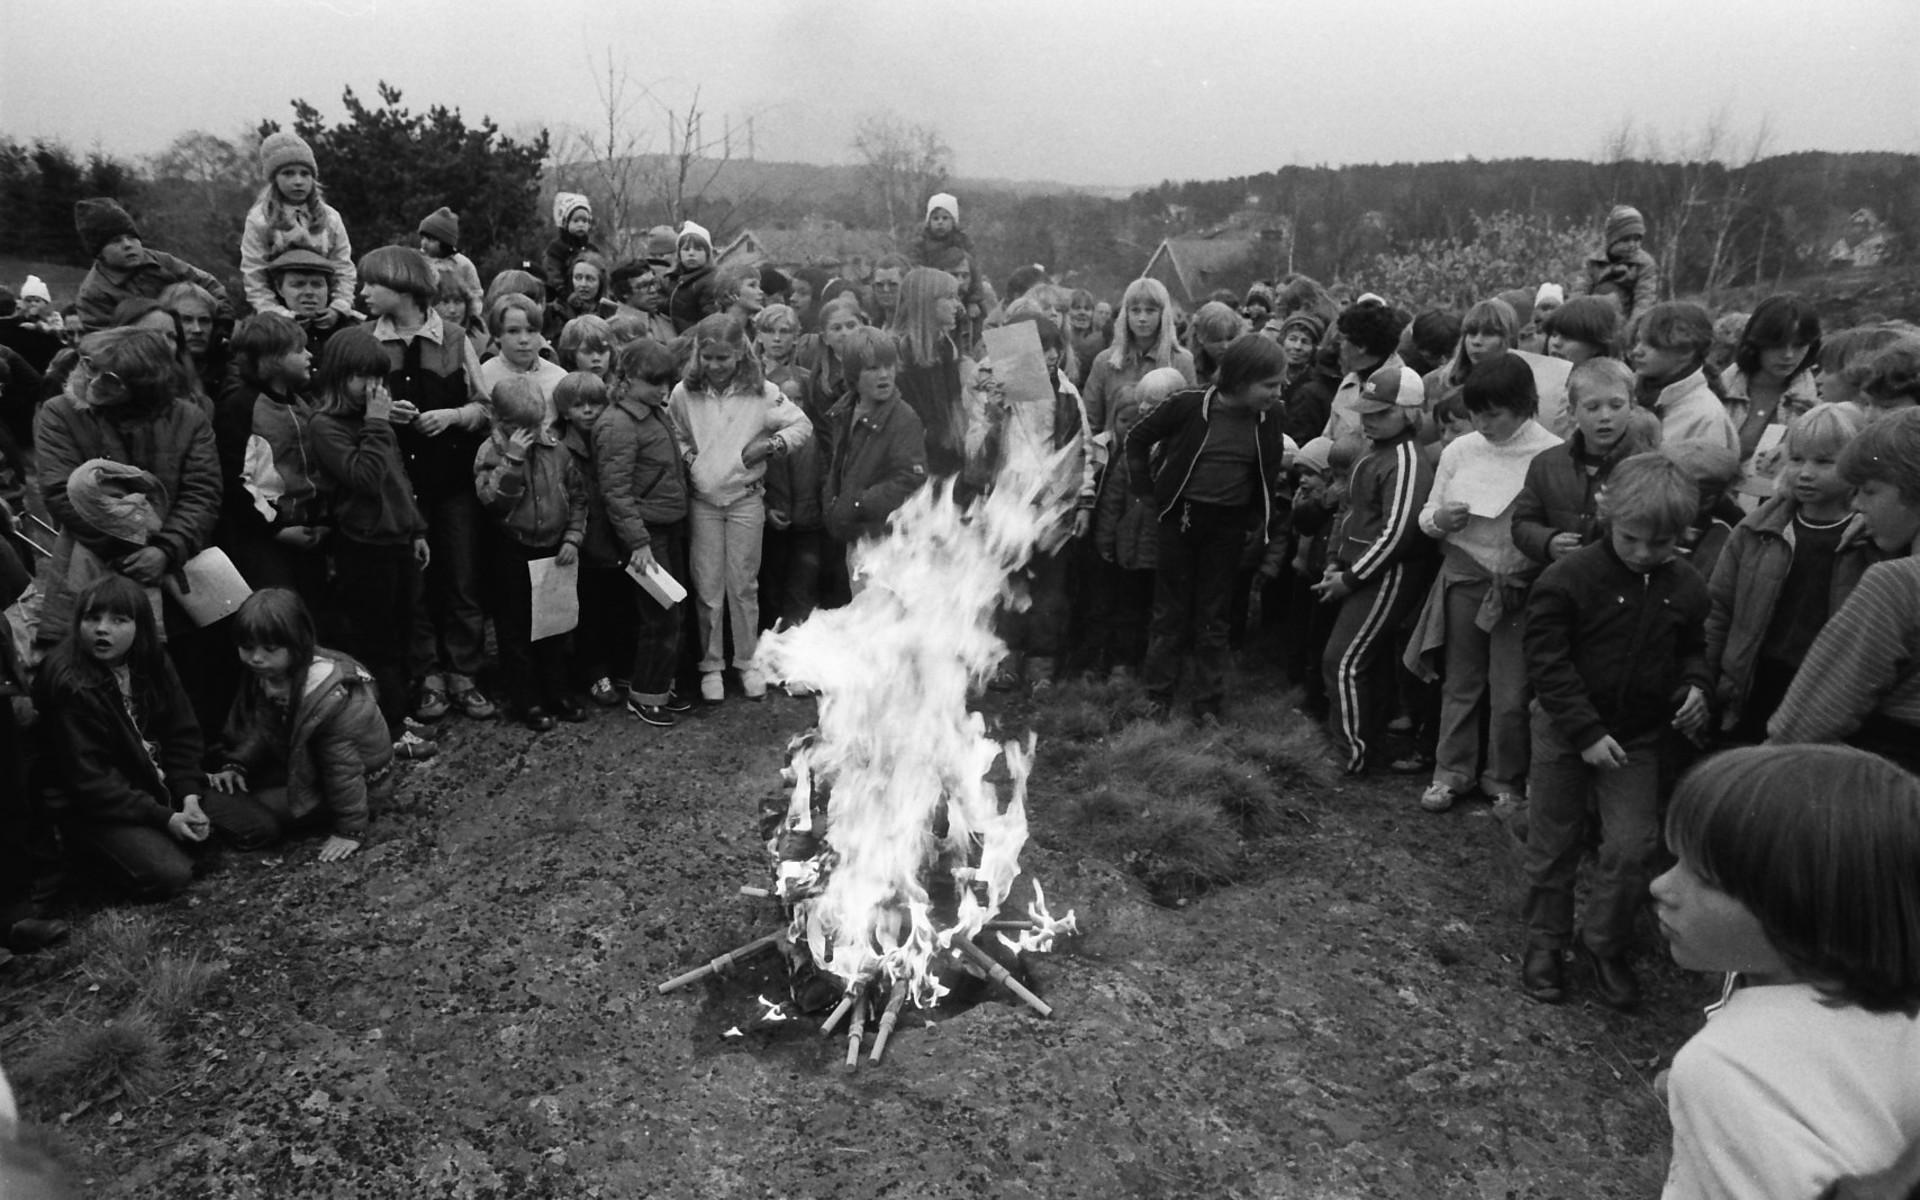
x: 809, y: 245
x: 1195, y: 266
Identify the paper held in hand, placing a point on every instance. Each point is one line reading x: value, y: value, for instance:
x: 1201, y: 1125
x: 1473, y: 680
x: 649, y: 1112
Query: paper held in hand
x: 1018, y: 362
x: 654, y: 581
x: 556, y: 596
x: 209, y: 587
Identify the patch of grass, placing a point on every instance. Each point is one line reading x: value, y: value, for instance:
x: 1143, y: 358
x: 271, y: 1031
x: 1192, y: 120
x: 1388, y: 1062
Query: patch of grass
x: 174, y: 986
x: 1291, y: 748
x: 84, y: 1062
x: 117, y: 950
x: 1187, y: 847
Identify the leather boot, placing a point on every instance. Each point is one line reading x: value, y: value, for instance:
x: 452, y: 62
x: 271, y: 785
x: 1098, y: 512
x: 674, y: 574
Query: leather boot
x: 1543, y: 975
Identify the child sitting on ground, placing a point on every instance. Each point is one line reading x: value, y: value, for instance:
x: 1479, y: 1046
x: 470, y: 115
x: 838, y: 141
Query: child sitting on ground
x: 535, y: 493
x: 305, y: 745
x: 1554, y: 513
x: 120, y: 764
x: 1787, y: 568
x: 124, y: 269
x: 1799, y: 878
x: 1616, y: 650
x: 292, y: 212
x: 1476, y: 604
x: 1623, y: 271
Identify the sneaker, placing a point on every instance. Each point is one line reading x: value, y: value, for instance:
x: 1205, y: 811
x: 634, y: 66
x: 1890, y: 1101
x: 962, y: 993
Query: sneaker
x: 430, y: 699
x: 604, y: 692
x: 1400, y: 724
x: 676, y: 703
x: 413, y: 747
x: 652, y: 714
x: 753, y: 682
x: 569, y: 710
x: 421, y: 729
x: 473, y: 704
x: 713, y: 688
x: 1438, y: 798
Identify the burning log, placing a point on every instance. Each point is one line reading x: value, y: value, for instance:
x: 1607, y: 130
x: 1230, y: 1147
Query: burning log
x: 846, y: 1005
x: 726, y: 962
x: 887, y: 1022
x: 999, y: 975
x: 857, y: 1027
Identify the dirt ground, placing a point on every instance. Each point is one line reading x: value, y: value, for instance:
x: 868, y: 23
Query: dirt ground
x: 467, y: 1009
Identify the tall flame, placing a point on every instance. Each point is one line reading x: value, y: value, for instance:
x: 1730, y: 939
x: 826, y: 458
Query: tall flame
x: 895, y: 739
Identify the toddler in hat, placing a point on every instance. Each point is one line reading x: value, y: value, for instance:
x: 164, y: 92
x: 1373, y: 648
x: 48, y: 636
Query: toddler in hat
x: 292, y: 213
x: 440, y: 242
x: 573, y: 234
x: 1623, y: 269
x: 123, y: 267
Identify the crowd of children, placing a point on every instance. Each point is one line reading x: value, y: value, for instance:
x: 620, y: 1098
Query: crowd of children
x: 1546, y: 551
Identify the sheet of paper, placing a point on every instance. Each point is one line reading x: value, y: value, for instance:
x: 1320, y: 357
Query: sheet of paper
x: 210, y: 587
x: 1018, y: 361
x: 556, y: 596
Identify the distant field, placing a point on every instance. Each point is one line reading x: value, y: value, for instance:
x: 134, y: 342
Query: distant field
x: 63, y: 281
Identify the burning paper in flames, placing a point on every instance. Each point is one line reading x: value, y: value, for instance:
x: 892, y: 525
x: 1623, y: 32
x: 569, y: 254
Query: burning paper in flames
x: 897, y: 748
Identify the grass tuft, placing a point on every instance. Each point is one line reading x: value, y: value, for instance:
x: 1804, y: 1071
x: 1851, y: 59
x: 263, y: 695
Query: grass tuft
x: 1188, y: 847
x: 86, y: 1062
x: 174, y: 987
x: 117, y: 950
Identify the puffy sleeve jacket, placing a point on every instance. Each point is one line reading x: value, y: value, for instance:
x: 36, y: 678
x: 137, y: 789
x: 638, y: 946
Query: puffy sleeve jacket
x: 335, y: 745
x: 99, y: 770
x: 637, y: 462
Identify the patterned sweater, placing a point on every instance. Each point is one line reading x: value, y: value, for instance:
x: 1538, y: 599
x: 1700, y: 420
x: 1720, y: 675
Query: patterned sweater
x: 1865, y: 663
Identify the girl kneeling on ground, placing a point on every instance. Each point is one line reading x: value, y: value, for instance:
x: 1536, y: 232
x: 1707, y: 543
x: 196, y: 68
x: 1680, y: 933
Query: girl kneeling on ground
x: 305, y: 745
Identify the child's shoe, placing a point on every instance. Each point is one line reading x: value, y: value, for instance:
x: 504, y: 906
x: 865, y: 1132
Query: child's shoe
x: 430, y: 699
x: 1613, y: 980
x: 605, y: 692
x: 713, y: 688
x: 676, y: 703
x: 1438, y: 798
x: 470, y: 700
x: 419, y: 728
x: 569, y: 710
x: 1543, y: 975
x: 652, y: 714
x: 753, y: 683
x: 537, y: 719
x: 413, y: 747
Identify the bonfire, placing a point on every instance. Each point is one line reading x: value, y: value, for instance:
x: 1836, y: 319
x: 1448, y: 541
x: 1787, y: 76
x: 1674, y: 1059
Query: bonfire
x: 900, y: 840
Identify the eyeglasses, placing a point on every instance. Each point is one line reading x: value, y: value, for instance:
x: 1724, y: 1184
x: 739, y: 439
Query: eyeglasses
x: 108, y: 384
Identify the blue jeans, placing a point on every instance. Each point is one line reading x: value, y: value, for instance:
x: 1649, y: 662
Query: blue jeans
x: 449, y: 628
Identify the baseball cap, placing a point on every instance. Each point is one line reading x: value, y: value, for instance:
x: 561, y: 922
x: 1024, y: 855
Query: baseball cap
x: 1391, y: 387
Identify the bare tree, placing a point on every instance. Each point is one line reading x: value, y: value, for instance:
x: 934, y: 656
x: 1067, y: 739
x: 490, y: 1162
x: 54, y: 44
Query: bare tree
x: 904, y: 163
x: 609, y: 155
x: 1735, y: 198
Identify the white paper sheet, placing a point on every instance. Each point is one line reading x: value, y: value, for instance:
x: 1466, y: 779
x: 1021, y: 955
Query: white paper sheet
x: 556, y: 596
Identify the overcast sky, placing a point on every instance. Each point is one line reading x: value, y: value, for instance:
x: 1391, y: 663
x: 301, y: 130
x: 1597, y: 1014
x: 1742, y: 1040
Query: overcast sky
x: 1112, y: 93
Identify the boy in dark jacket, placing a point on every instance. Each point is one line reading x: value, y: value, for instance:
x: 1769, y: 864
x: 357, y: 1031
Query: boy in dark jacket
x: 1554, y: 515
x: 124, y: 269
x: 1369, y: 559
x: 637, y: 466
x: 879, y: 454
x: 528, y: 482
x: 1616, y: 649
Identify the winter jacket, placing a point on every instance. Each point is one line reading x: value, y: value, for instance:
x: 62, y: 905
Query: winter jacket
x: 691, y: 297
x: 174, y: 442
x: 314, y: 226
x: 637, y: 461
x: 273, y: 480
x: 372, y: 497
x: 1561, y: 493
x: 1178, y: 428
x: 556, y: 262
x: 435, y: 367
x: 878, y: 460
x: 540, y: 500
x: 1612, y: 651
x: 793, y: 481
x: 1690, y: 412
x: 332, y: 742
x: 1379, y: 527
x: 1305, y: 403
x: 714, y: 428
x: 1864, y: 668
x: 598, y: 548
x: 99, y: 770
x: 1126, y: 526
x: 1635, y: 280
x: 1745, y: 587
x: 1108, y: 379
x: 103, y: 289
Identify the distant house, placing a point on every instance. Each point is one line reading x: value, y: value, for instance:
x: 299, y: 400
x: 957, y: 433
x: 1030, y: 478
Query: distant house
x: 825, y: 244
x: 1865, y: 242
x: 1191, y: 267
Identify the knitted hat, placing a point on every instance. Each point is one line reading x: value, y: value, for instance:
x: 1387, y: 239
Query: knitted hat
x: 1315, y: 454
x: 942, y: 200
x: 100, y: 220
x: 299, y: 259
x: 693, y: 229
x: 35, y: 288
x: 1550, y: 292
x: 284, y: 148
x: 661, y: 240
x: 1391, y: 387
x: 1625, y: 221
x: 443, y: 226
x: 565, y: 204
x: 1308, y: 323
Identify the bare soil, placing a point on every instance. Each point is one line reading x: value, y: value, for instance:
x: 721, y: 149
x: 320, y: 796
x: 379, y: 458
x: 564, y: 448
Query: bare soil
x: 467, y: 1009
